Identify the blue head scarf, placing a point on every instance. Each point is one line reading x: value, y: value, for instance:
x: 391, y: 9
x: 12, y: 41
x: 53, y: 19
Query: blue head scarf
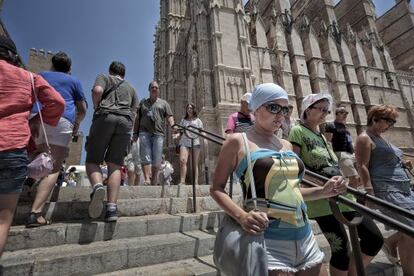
x: 264, y: 93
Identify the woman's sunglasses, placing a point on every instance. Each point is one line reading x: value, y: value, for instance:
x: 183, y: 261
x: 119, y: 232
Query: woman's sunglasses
x: 389, y: 121
x: 321, y: 109
x: 277, y: 109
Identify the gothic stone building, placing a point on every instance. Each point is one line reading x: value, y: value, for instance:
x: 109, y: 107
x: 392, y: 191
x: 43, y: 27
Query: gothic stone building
x: 211, y: 52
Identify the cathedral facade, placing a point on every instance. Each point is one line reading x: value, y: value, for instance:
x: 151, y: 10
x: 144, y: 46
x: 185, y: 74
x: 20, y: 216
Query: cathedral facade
x: 210, y: 52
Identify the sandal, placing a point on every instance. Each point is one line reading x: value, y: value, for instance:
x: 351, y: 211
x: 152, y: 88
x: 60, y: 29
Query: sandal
x: 33, y: 220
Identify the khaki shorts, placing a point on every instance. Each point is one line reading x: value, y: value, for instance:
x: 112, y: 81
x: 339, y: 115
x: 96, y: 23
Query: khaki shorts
x: 346, y: 163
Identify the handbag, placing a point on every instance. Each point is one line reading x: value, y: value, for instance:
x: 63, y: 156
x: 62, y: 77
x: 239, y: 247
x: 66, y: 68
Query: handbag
x: 42, y: 164
x: 236, y: 252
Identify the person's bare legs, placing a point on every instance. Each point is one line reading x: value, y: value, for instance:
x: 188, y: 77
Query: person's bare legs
x: 313, y: 271
x: 405, y: 247
x: 280, y: 273
x: 154, y: 175
x: 94, y: 173
x: 147, y: 173
x: 196, y: 153
x: 114, y: 182
x: 352, y: 266
x: 47, y: 184
x: 183, y: 163
x: 392, y: 242
x: 336, y: 272
x: 131, y: 178
x: 8, y: 203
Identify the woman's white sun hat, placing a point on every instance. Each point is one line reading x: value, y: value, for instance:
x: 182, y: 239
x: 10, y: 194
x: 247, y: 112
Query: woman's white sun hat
x: 310, y: 99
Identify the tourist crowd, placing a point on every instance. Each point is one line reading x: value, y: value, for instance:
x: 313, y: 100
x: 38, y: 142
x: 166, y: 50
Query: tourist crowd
x: 264, y: 147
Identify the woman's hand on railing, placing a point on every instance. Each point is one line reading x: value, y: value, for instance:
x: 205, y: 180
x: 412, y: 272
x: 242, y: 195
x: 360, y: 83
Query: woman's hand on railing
x: 407, y: 164
x: 335, y: 186
x: 254, y: 222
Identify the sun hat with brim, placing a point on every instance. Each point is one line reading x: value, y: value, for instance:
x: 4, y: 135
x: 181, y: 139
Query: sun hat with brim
x: 8, y: 44
x: 266, y: 92
x: 310, y: 99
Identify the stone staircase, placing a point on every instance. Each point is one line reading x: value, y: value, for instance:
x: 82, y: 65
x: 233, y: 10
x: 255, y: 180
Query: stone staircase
x: 156, y: 235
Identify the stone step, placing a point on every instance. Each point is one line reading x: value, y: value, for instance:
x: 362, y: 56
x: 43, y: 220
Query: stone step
x: 107, y: 256
x: 91, y: 231
x: 78, y: 210
x: 95, y: 234
x: 63, y: 194
x: 201, y: 266
x: 204, y: 266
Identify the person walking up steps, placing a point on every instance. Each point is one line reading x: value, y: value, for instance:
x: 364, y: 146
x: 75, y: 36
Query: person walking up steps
x: 115, y: 103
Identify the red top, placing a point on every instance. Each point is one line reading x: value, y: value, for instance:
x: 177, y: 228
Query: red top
x: 16, y: 101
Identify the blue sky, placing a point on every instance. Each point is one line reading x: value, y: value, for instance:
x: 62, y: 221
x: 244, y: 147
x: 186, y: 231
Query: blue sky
x: 94, y: 33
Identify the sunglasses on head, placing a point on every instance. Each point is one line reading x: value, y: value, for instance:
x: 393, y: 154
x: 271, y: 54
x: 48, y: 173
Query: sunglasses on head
x: 323, y: 110
x: 277, y: 109
x: 389, y: 121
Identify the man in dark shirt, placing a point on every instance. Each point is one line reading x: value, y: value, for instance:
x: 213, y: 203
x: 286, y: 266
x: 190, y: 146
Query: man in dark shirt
x: 115, y: 104
x: 337, y: 133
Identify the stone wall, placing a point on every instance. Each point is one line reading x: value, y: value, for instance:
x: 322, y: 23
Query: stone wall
x: 396, y: 28
x: 39, y: 60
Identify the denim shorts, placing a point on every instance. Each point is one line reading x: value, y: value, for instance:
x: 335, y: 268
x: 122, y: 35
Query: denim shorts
x: 293, y: 255
x: 151, y: 148
x: 13, y: 170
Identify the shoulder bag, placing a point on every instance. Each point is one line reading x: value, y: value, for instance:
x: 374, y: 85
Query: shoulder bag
x: 236, y: 252
x: 42, y: 164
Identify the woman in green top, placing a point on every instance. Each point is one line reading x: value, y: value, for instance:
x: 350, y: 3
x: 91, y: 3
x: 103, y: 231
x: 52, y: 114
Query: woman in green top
x: 319, y: 157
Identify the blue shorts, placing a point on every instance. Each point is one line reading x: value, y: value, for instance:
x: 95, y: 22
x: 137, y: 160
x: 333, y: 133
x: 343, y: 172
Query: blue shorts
x: 13, y: 170
x: 151, y: 148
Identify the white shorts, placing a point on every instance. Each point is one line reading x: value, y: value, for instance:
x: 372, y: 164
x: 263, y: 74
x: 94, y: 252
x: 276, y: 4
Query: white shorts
x: 59, y: 135
x: 292, y: 255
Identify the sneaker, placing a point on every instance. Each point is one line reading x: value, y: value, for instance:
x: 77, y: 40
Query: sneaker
x: 96, y: 204
x: 111, y: 214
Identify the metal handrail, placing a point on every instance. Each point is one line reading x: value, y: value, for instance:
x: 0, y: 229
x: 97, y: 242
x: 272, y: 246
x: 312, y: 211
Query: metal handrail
x: 353, y: 224
x: 341, y: 199
x: 208, y: 132
x: 368, y: 197
x: 368, y: 211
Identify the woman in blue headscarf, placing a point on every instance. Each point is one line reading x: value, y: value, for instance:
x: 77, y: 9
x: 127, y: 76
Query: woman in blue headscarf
x: 277, y: 172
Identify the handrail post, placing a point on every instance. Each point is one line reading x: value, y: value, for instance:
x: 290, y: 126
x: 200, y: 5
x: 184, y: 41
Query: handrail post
x: 193, y: 176
x: 356, y: 249
x: 353, y: 233
x: 231, y: 186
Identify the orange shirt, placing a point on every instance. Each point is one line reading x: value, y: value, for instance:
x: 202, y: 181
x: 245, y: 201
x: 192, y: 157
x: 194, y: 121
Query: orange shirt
x: 16, y: 101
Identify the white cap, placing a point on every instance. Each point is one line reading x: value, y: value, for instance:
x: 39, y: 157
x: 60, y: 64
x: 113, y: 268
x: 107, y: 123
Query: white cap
x: 313, y: 98
x: 246, y: 97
